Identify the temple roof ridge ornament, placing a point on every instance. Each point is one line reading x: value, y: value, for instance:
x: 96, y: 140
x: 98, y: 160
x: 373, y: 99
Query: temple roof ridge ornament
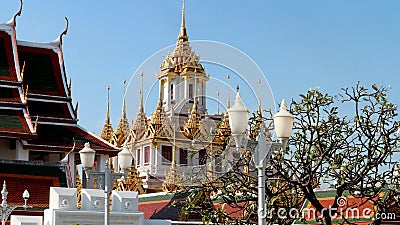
x: 58, y: 41
x: 13, y: 21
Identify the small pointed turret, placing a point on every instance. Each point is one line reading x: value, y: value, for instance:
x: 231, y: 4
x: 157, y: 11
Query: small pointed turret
x: 158, y: 118
x: 122, y: 131
x: 193, y: 124
x: 140, y: 124
x: 107, y: 131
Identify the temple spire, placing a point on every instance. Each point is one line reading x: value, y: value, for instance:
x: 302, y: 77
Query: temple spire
x: 108, y: 105
x: 140, y: 124
x: 122, y: 131
x: 124, y: 102
x: 107, y: 131
x: 141, y: 108
x: 182, y: 31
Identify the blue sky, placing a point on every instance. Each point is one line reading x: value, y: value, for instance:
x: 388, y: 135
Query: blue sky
x: 297, y: 44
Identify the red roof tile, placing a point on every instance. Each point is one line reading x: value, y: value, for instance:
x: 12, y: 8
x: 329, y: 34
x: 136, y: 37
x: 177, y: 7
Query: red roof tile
x: 13, y: 124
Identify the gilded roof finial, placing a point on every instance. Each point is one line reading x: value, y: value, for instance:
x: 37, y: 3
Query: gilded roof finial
x: 182, y: 32
x: 107, y: 131
x: 108, y: 105
x: 140, y: 123
x: 26, y: 93
x: 36, y: 124
x: 122, y: 131
x: 123, y: 104
x: 141, y: 109
x: 22, y: 71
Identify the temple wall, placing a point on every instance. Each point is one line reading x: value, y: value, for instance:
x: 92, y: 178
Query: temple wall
x: 5, y: 151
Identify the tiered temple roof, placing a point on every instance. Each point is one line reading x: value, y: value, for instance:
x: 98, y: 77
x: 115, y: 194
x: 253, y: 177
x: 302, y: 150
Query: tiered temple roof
x: 15, y: 120
x: 35, y: 97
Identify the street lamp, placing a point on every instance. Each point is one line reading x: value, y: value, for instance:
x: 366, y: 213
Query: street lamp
x: 238, y: 117
x: 283, y: 121
x: 124, y: 162
x: 6, y: 209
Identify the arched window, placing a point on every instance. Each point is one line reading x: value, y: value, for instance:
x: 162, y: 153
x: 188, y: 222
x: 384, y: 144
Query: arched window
x: 190, y: 90
x: 172, y: 91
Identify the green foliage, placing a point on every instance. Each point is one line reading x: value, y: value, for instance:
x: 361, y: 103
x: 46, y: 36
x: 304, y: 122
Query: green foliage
x: 347, y: 142
x: 345, y: 152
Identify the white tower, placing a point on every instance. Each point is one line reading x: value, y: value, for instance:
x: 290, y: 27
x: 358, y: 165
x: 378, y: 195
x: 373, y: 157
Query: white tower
x: 182, y: 78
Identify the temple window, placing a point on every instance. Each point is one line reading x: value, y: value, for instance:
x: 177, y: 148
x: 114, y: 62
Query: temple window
x: 190, y: 91
x: 138, y: 157
x: 183, y: 156
x: 166, y: 152
x: 146, y: 155
x: 202, y: 157
x: 172, y: 91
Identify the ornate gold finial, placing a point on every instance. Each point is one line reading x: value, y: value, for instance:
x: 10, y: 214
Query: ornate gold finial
x: 192, y: 126
x: 22, y: 71
x: 182, y: 32
x: 107, y: 131
x: 36, y: 124
x: 140, y: 124
x: 26, y: 93
x: 65, y: 30
x: 228, y: 105
x: 123, y: 104
x: 108, y: 120
x: 122, y: 131
x: 141, y: 94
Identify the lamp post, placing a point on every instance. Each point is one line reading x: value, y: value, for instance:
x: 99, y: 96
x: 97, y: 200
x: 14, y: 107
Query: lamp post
x: 238, y: 118
x: 283, y: 122
x: 124, y: 162
x: 6, y: 209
